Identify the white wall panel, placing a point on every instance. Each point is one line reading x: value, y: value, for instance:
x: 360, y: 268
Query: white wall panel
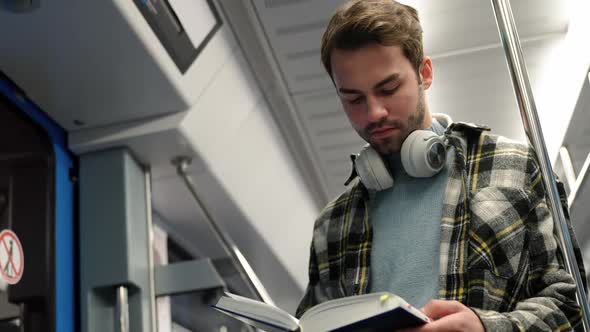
x: 234, y: 133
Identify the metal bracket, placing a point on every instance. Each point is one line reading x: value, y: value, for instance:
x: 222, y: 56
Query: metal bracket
x: 186, y: 277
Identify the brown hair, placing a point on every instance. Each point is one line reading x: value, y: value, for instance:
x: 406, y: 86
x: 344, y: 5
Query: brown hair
x: 386, y: 22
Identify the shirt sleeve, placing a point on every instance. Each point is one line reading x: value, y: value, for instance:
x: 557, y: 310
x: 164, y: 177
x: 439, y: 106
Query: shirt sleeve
x: 310, y: 297
x: 549, y: 303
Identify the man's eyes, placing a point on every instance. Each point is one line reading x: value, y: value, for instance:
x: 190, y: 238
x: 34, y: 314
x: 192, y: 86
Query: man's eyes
x: 360, y: 99
x: 356, y: 101
x: 389, y: 92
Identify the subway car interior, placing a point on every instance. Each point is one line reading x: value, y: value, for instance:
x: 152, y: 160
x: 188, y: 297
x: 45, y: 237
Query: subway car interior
x: 155, y: 154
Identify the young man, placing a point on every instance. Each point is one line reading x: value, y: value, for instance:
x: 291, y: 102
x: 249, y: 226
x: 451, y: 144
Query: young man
x: 474, y: 243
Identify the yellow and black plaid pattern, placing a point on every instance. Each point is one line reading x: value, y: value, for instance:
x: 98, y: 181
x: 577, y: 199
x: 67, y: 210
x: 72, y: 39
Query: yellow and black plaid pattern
x: 498, y: 253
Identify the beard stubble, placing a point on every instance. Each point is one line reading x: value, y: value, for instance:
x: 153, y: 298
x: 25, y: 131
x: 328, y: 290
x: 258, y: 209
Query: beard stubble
x: 393, y: 144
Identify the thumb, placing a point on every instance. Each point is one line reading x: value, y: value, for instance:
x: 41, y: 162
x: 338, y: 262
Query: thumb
x: 440, y: 308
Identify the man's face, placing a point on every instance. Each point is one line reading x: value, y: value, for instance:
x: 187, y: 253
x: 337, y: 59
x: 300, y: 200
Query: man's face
x: 381, y: 93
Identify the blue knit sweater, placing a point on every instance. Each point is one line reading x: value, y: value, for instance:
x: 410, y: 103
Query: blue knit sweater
x: 406, y: 233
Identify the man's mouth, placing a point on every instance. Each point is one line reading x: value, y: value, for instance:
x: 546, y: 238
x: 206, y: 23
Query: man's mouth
x: 381, y: 133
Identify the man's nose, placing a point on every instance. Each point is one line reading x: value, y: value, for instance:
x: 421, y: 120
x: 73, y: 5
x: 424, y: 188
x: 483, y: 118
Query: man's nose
x: 376, y: 111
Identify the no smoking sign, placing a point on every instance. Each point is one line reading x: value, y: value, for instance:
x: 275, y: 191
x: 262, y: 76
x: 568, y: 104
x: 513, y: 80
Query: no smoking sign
x: 12, y: 259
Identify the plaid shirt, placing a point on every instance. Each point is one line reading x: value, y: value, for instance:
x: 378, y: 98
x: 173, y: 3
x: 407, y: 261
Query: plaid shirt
x: 498, y: 252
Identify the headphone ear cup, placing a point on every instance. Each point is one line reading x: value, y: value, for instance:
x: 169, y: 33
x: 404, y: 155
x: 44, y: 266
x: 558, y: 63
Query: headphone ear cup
x: 372, y: 170
x: 423, y: 153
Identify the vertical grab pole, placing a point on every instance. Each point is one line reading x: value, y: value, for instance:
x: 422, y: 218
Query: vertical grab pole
x: 528, y: 112
x: 150, y: 240
x: 122, y: 309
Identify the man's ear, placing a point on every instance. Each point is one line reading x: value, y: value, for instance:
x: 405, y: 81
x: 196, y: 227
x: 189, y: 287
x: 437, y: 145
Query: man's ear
x: 426, y: 72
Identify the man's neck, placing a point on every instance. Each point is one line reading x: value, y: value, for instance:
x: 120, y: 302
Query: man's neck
x: 427, y: 123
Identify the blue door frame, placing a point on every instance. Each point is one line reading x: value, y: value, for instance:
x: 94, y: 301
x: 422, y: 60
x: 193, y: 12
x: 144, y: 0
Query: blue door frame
x: 65, y: 274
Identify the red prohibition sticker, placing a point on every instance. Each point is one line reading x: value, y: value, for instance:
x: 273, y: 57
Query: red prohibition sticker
x: 12, y: 259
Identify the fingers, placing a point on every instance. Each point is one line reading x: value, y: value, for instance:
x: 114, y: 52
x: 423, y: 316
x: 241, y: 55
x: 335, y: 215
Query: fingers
x: 453, y: 322
x: 453, y: 316
x: 439, y: 308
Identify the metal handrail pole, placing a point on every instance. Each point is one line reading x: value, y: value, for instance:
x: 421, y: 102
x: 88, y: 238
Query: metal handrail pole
x: 224, y: 239
x: 532, y: 127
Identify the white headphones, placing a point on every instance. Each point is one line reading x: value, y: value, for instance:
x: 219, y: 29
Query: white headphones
x: 423, y: 154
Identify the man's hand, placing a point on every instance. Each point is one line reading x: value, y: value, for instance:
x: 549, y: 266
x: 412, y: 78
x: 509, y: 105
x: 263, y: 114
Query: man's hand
x: 449, y: 316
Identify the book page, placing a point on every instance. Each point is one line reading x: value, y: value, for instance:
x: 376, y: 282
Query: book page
x: 257, y: 311
x: 353, y: 301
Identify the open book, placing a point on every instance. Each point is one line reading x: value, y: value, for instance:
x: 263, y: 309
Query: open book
x: 371, y: 312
